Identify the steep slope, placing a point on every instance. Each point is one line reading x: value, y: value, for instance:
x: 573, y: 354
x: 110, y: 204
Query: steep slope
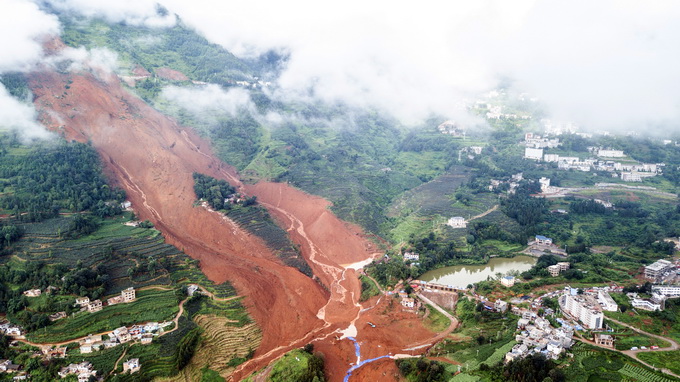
x: 153, y: 159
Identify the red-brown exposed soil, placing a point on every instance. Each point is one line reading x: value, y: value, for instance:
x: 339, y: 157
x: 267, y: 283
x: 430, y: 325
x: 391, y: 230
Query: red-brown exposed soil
x: 382, y: 370
x: 170, y: 74
x: 153, y: 159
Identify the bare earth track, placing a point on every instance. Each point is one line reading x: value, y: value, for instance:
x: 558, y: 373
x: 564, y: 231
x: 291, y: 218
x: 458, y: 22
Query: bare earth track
x: 153, y: 159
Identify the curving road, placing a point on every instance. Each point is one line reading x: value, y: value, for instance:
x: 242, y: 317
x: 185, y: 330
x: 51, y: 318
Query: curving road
x: 633, y: 353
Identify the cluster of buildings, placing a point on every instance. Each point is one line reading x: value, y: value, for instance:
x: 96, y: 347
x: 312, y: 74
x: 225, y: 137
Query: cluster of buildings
x: 535, y: 141
x: 538, y: 336
x: 9, y: 329
x: 661, y: 271
x: 556, y: 269
x: 142, y: 333
x: 587, y: 307
x: 628, y: 172
x: 126, y: 295
x: 451, y: 128
x: 83, y: 371
x: 6, y: 366
x: 660, y: 293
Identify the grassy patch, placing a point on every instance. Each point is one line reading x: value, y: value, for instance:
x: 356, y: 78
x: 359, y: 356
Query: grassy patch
x: 436, y: 321
x: 368, y: 288
x: 666, y: 360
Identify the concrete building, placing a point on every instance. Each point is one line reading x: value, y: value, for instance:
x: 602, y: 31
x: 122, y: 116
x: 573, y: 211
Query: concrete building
x: 128, y: 294
x: 457, y: 222
x: 608, y: 153
x: 408, y: 302
x: 411, y: 256
x: 603, y: 339
x: 667, y: 290
x: 658, y: 270
x: 94, y: 306
x: 543, y: 240
x: 584, y: 309
x: 531, y: 153
x: 554, y: 270
x: 131, y: 366
x: 606, y: 301
x: 551, y: 158
x: 631, y: 177
x: 82, y: 301
x: 500, y: 306
x: 508, y: 281
x: 32, y: 293
x: 645, y: 304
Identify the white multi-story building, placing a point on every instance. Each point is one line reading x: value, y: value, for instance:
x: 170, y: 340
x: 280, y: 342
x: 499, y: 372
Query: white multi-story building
x: 606, y: 301
x: 606, y: 153
x: 667, y: 290
x: 535, y: 154
x: 551, y: 158
x: 581, y: 308
x: 631, y: 177
x: 645, y: 304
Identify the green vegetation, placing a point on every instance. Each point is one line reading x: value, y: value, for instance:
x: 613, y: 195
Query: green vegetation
x: 178, y: 48
x: 298, y: 365
x: 665, y: 360
x: 436, y: 321
x: 211, y: 376
x: 368, y: 288
x: 423, y: 370
x: 54, y: 176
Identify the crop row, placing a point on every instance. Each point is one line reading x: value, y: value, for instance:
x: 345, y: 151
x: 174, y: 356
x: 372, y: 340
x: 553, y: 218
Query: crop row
x: 641, y: 374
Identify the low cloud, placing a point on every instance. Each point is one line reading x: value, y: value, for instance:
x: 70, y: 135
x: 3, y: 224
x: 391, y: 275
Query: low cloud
x: 606, y: 64
x: 23, y: 30
x: 132, y: 12
x: 19, y: 116
x: 207, y: 101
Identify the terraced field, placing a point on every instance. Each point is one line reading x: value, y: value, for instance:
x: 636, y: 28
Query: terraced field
x: 257, y: 221
x: 224, y: 346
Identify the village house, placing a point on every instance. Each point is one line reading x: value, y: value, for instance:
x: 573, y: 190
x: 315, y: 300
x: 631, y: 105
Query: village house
x: 500, y: 306
x: 457, y: 222
x: 82, y: 301
x: 131, y: 366
x: 411, y: 256
x: 603, y: 339
x: 32, y: 293
x: 191, y: 289
x: 122, y: 334
x: 540, y: 239
x: 408, y: 302
x: 508, y: 281
x: 83, y: 370
x: 6, y: 366
x: 58, y: 352
x: 57, y: 316
x: 126, y: 295
x: 94, y: 306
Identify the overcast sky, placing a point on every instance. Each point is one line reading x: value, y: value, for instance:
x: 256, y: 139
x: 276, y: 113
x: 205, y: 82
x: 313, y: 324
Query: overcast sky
x: 604, y: 64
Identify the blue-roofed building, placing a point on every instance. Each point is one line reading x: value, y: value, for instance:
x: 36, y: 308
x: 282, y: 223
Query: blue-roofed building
x: 508, y: 281
x: 543, y: 240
